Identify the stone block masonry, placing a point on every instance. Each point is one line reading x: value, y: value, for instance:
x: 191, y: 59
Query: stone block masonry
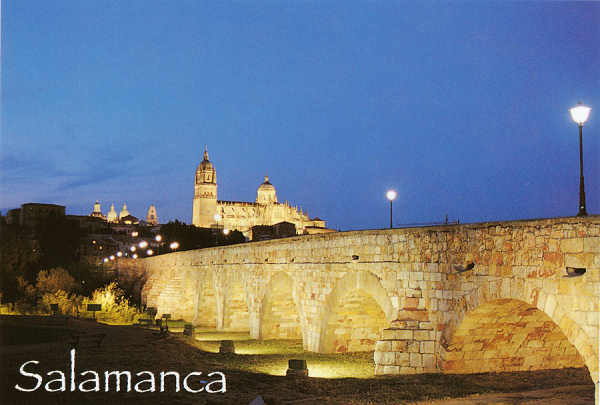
x: 395, y: 291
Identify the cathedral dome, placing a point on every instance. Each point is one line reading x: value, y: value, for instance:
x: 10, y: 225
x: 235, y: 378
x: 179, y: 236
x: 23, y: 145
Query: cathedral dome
x: 205, y: 173
x: 266, y: 193
x: 205, y: 164
x: 124, y: 212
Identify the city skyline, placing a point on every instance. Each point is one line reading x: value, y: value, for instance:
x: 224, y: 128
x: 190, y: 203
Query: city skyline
x: 462, y: 108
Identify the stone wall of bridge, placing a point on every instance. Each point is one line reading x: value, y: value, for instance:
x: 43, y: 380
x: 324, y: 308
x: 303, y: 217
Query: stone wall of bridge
x: 397, y: 292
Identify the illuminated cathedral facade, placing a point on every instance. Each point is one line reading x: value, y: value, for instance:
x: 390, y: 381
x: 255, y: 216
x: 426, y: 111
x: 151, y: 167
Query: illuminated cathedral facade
x: 209, y: 212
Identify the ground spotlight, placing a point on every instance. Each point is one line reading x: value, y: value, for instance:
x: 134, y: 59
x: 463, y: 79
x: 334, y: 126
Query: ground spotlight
x: 227, y: 346
x: 297, y: 368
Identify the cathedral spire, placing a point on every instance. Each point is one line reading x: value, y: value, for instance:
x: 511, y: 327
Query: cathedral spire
x: 205, y: 157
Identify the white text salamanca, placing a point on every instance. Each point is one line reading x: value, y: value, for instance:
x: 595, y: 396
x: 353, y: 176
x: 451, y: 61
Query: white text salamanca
x: 143, y: 381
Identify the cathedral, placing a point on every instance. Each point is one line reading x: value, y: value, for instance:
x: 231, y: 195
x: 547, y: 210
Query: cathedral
x: 208, y: 212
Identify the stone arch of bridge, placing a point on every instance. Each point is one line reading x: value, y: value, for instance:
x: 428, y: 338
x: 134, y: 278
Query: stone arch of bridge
x: 236, y: 315
x: 279, y: 311
x: 206, y: 305
x: 355, y: 312
x: 518, y: 322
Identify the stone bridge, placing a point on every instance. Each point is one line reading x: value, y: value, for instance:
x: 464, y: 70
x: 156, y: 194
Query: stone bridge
x: 397, y: 292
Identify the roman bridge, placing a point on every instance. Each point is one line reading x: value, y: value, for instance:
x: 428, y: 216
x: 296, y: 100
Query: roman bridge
x: 397, y: 292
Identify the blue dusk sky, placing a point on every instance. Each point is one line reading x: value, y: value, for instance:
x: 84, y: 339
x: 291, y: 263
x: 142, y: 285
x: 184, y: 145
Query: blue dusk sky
x: 460, y: 106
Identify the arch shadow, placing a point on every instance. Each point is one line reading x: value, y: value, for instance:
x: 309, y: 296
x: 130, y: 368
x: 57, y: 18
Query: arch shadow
x: 355, y: 311
x: 205, y: 309
x: 279, y: 312
x: 236, y: 315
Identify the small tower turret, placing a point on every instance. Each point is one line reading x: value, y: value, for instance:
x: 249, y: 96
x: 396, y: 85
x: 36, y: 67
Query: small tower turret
x: 266, y: 193
x: 205, y: 193
x: 97, y: 211
x: 124, y: 212
x: 112, y: 214
x: 152, y: 217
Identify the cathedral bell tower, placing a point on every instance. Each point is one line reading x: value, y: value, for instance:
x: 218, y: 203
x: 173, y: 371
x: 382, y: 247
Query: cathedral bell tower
x: 205, y: 194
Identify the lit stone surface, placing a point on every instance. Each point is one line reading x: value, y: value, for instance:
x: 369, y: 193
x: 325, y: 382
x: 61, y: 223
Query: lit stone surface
x: 402, y: 298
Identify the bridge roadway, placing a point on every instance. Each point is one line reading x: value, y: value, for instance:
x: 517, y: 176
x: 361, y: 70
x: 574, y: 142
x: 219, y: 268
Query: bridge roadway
x: 397, y: 292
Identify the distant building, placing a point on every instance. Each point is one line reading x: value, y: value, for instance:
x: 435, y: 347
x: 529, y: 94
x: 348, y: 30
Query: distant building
x: 124, y: 212
x: 208, y: 212
x: 97, y: 212
x: 112, y: 214
x: 13, y: 217
x: 124, y: 217
x: 33, y: 214
x: 280, y: 230
x: 152, y: 217
x: 89, y: 223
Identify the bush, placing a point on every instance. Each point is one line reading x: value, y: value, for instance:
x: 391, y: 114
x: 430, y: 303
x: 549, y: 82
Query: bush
x: 67, y: 303
x: 54, y: 280
x: 28, y: 297
x: 115, y: 306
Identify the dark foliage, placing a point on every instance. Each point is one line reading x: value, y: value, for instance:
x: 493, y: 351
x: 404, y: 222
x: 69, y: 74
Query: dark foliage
x: 19, y: 256
x: 59, y: 242
x: 191, y: 237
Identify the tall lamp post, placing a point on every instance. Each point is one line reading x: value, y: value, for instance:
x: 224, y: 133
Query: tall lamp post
x: 580, y: 114
x: 391, y: 195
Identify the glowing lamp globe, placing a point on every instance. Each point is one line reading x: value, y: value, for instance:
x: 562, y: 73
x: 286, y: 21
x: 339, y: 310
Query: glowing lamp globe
x: 158, y: 238
x: 217, y: 217
x: 580, y: 113
x: 391, y: 195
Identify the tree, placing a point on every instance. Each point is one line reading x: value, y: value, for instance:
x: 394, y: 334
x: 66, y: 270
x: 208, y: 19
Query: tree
x: 192, y: 237
x: 53, y: 280
x: 59, y: 242
x: 19, y: 257
x: 188, y: 236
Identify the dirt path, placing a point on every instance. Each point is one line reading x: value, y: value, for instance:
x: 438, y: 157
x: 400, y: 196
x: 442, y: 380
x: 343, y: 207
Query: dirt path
x: 136, y: 349
x: 572, y: 395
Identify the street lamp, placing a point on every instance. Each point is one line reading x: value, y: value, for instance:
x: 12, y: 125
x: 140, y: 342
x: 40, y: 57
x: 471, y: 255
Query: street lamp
x: 580, y: 114
x: 391, y: 195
